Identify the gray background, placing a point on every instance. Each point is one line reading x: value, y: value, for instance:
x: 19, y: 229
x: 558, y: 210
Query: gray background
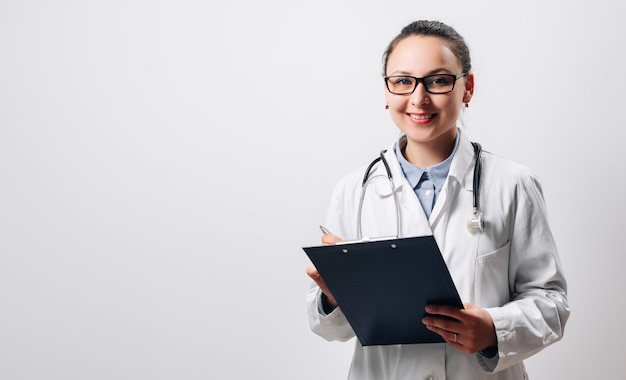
x: 163, y: 162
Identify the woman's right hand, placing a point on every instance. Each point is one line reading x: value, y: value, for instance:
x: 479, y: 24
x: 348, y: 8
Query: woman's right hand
x: 315, y: 275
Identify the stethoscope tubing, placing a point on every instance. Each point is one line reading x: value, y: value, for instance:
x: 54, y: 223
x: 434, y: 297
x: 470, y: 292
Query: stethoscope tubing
x: 474, y: 224
x: 365, y: 183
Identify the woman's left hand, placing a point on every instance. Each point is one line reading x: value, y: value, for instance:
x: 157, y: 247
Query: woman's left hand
x: 471, y: 330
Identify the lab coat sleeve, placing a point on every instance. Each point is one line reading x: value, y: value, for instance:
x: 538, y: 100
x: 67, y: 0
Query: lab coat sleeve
x: 536, y: 315
x: 340, y: 219
x: 333, y: 326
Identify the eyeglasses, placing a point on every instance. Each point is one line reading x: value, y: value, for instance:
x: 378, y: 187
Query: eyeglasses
x: 434, y: 84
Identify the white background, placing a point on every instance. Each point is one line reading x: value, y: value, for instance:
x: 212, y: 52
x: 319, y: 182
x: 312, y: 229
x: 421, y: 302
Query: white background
x: 163, y: 162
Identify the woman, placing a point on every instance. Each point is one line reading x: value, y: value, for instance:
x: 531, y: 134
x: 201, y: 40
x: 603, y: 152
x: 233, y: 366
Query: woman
x: 508, y: 275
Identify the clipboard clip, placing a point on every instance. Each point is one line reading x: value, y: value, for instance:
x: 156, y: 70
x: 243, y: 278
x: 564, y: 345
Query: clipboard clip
x: 360, y: 240
x: 368, y: 240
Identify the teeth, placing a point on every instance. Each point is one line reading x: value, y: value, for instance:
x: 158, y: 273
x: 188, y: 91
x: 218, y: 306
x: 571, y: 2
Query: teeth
x: 421, y: 117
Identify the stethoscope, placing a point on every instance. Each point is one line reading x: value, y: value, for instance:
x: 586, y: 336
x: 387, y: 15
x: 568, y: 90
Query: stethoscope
x: 474, y: 224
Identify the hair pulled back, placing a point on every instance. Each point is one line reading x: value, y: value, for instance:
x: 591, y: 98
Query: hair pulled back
x: 451, y: 38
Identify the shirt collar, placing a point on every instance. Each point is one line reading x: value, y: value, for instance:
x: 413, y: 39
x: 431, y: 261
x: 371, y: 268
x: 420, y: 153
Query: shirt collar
x: 437, y: 173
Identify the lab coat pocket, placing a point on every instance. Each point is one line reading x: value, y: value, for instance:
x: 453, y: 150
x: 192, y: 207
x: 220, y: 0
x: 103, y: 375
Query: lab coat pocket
x: 492, y: 277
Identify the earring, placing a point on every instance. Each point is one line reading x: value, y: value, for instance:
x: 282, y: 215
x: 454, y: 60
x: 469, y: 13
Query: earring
x: 386, y: 106
x: 466, y: 105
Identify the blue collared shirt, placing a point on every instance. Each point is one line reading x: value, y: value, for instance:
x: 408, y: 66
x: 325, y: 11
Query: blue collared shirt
x: 426, y: 183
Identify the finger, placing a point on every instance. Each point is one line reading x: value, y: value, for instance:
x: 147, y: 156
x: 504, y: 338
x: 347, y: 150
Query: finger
x: 449, y: 311
x: 455, y: 337
x: 330, y: 239
x: 441, y: 325
x: 315, y: 275
x: 447, y: 335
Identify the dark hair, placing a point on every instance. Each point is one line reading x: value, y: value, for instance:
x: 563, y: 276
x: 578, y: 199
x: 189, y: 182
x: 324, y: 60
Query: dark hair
x: 453, y: 40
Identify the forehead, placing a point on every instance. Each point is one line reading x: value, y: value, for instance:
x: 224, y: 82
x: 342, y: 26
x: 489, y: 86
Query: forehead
x: 422, y: 55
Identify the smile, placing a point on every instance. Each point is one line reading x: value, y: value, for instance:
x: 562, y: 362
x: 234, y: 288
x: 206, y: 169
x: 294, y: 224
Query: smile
x: 422, y: 116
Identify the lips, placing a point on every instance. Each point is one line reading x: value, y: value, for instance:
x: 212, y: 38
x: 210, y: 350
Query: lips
x: 421, y: 118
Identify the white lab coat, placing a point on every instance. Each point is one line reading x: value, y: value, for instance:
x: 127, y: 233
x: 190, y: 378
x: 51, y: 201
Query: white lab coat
x: 512, y: 269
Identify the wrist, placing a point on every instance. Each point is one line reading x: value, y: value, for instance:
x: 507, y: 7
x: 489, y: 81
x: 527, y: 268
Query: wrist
x: 327, y: 305
x: 489, y: 352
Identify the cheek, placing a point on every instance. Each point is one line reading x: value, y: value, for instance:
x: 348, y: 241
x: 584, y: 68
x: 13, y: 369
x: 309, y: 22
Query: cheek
x: 458, y: 97
x: 396, y: 101
x: 452, y: 103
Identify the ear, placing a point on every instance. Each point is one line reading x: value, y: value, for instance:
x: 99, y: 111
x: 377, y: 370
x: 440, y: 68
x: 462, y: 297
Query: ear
x: 469, y: 88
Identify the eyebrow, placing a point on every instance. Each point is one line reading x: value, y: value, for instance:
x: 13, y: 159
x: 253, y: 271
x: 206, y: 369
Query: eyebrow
x: 432, y: 72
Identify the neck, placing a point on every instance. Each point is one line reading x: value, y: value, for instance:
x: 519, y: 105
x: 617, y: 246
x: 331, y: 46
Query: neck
x: 425, y: 154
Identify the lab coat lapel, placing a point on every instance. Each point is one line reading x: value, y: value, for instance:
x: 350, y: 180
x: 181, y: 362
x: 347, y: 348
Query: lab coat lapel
x: 459, y: 178
x: 412, y: 216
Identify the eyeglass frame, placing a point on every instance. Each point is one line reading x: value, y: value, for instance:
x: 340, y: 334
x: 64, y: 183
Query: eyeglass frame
x: 421, y: 80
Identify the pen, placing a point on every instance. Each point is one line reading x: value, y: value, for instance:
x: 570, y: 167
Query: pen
x: 325, y: 230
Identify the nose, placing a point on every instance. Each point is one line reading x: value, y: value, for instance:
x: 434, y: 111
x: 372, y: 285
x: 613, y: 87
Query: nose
x: 420, y: 95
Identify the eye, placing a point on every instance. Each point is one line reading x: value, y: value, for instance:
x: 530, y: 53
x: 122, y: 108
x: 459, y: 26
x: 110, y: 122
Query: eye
x: 439, y: 80
x: 403, y: 81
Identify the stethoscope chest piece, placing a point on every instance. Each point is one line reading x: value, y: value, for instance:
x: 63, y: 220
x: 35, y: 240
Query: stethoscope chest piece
x: 476, y: 223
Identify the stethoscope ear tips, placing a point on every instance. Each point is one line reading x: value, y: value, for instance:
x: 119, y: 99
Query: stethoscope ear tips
x: 476, y: 223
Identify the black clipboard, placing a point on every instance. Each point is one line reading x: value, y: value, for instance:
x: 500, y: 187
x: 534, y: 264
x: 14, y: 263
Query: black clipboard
x: 383, y: 286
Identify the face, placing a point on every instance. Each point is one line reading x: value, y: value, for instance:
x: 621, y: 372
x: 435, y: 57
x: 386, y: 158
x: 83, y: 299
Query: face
x: 425, y: 118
